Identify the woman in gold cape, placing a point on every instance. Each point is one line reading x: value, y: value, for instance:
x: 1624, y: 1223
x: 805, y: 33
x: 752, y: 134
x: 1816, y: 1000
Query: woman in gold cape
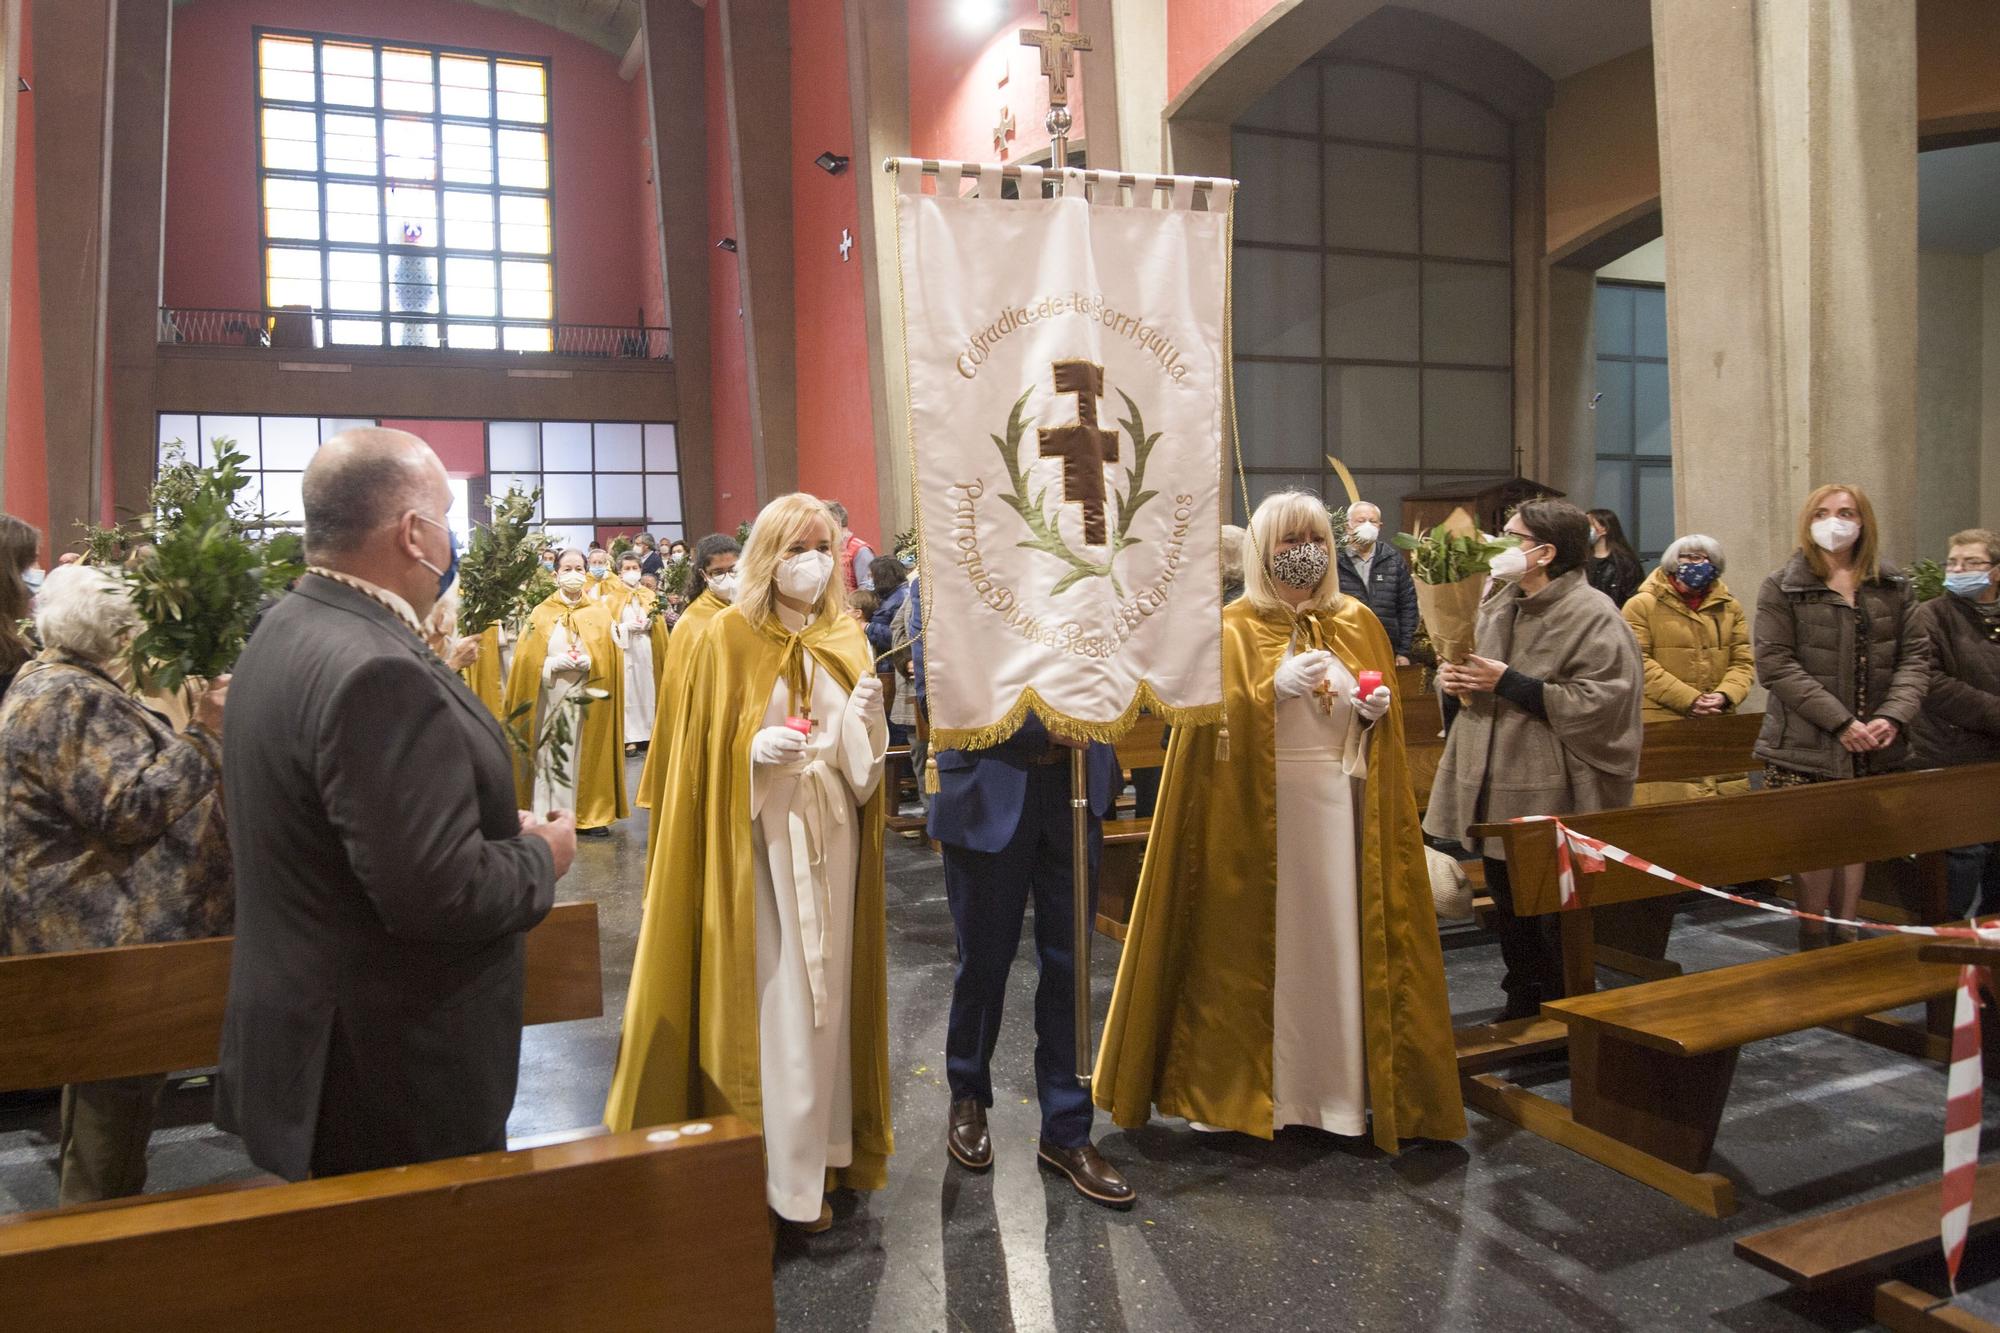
x: 1191, y: 1027
x: 597, y: 757
x: 642, y: 639
x: 483, y: 676
x: 713, y: 588
x: 719, y: 1004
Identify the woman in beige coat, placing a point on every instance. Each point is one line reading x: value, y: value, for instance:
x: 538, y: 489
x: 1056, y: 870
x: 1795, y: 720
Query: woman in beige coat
x: 1548, y: 722
x: 1696, y: 646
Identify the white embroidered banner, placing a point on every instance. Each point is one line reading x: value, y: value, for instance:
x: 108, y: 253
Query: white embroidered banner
x: 1066, y: 379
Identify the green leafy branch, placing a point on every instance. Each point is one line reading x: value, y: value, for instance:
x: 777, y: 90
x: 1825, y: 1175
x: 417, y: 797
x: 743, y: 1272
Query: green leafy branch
x: 1043, y: 536
x: 549, y: 751
x: 496, y: 575
x: 208, y: 576
x: 1441, y: 556
x: 1927, y: 580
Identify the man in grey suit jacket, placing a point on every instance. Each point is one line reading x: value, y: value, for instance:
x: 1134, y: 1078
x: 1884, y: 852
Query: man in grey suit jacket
x: 384, y: 877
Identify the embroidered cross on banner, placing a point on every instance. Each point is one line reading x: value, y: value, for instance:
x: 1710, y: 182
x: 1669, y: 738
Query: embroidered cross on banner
x: 1085, y: 448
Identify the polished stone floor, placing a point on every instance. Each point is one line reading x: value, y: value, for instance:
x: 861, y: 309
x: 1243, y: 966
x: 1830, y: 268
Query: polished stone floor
x: 1503, y: 1231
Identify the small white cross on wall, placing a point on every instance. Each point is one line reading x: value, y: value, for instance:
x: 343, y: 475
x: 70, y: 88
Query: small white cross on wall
x: 846, y: 244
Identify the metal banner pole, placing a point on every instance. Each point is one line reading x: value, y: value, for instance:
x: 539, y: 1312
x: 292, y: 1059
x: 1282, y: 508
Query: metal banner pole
x: 1079, y: 804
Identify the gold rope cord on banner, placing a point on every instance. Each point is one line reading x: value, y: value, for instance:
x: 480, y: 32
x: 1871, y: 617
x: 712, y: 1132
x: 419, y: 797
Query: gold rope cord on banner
x: 1229, y: 349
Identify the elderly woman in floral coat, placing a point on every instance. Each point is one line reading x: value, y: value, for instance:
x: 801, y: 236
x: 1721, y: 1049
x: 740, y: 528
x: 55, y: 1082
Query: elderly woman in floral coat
x: 110, y: 834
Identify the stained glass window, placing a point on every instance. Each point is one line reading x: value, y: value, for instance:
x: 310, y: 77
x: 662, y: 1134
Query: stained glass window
x: 406, y: 192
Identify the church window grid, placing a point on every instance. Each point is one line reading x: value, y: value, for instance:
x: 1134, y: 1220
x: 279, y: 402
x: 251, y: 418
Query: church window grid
x: 595, y: 477
x: 1419, y: 391
x: 1630, y: 413
x: 475, y: 180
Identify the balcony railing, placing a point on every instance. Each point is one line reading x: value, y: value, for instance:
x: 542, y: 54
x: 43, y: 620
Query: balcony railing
x: 300, y: 328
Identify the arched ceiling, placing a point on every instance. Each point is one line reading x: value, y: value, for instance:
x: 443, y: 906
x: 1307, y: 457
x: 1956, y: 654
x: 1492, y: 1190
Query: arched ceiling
x: 607, y: 24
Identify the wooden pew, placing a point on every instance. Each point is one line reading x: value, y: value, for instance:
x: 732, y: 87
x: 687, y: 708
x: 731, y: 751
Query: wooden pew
x: 1867, y: 1239
x: 650, y: 1229
x: 1650, y: 1064
x: 152, y: 1008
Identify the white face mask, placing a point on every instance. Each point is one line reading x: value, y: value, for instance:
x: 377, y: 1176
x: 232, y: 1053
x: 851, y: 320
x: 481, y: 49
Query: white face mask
x: 1366, y: 533
x: 723, y: 585
x: 803, y: 577
x: 1512, y: 563
x: 631, y: 578
x: 599, y: 571
x: 33, y: 576
x: 570, y: 581
x: 1835, y: 534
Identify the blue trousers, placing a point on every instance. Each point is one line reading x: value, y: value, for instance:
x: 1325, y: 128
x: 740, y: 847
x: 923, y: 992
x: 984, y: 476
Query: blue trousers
x: 989, y: 894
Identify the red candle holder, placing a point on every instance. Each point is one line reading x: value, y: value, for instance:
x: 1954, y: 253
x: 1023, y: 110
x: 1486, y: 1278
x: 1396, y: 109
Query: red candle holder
x: 1367, y: 682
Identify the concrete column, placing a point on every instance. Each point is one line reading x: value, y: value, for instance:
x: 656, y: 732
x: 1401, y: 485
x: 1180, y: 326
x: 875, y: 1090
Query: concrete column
x: 138, y: 204
x: 73, y: 56
x: 674, y: 47
x: 1788, y: 173
x: 878, y: 86
x: 757, y: 81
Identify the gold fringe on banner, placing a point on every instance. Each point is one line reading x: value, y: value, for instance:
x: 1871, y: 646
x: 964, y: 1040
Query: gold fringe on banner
x: 1069, y: 728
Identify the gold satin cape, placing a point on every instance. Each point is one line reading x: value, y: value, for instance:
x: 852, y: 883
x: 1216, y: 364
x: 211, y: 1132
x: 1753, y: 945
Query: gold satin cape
x: 598, y: 756
x: 689, y: 1046
x: 1190, y: 1028
x: 483, y: 676
x: 672, y: 667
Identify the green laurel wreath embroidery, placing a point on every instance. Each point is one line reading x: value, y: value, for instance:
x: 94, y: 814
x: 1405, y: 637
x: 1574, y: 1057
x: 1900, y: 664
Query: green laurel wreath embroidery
x: 1043, y: 535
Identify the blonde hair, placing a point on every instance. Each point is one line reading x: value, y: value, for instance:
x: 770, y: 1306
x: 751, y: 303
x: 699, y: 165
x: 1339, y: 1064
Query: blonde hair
x: 1280, y: 513
x: 1985, y: 537
x: 1867, y: 547
x: 783, y: 521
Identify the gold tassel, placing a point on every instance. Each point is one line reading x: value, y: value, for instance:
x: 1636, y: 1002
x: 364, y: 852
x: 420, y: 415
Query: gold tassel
x: 1222, y: 744
x: 931, y: 783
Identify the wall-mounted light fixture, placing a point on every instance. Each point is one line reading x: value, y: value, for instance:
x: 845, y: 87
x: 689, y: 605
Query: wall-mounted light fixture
x: 831, y: 163
x: 727, y: 243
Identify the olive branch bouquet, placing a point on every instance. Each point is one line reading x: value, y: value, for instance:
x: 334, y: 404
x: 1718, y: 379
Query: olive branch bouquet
x: 1450, y: 562
x: 497, y: 574
x: 211, y: 571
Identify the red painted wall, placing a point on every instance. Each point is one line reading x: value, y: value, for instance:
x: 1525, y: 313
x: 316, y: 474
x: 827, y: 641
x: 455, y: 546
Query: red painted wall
x: 459, y: 445
x: 1200, y: 30
x: 956, y: 93
x: 728, y: 364
x: 211, y: 218
x: 26, y: 443
x: 836, y: 416
x: 650, y: 276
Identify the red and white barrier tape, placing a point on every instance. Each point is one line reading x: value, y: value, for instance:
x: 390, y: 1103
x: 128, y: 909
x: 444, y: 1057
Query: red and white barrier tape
x: 1964, y: 1086
x: 1579, y: 853
x: 1962, y: 1115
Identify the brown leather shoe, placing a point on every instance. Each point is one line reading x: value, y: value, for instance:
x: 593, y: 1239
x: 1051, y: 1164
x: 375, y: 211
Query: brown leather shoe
x: 966, y: 1138
x: 1095, y: 1179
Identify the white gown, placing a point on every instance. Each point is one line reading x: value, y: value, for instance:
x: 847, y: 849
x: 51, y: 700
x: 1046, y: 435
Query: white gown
x: 808, y: 829
x: 1319, y: 1069
x: 636, y: 644
x: 560, y: 676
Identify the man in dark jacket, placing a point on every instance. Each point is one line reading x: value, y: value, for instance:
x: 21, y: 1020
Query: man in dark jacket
x: 384, y: 877
x: 1960, y: 723
x: 1376, y: 573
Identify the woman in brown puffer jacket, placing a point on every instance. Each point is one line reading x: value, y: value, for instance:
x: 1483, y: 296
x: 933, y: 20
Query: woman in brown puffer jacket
x: 1847, y: 668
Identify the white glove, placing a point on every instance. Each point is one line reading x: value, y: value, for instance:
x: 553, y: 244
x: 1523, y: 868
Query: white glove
x: 867, y: 698
x: 558, y: 664
x: 1303, y: 674
x: 777, y: 747
x: 1374, y: 705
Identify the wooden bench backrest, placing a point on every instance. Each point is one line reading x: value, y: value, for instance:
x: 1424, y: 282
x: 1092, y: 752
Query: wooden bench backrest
x: 618, y: 1231
x: 151, y: 1008
x: 1760, y: 835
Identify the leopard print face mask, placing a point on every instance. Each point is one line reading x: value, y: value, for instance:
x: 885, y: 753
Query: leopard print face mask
x: 1300, y: 567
